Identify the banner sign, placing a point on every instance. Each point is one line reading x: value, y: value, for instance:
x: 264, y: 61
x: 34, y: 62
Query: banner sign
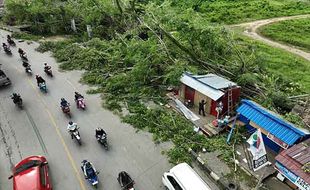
x: 277, y: 141
x: 258, y: 151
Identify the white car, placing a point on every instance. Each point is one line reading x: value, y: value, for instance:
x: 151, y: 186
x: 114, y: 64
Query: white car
x: 183, y: 177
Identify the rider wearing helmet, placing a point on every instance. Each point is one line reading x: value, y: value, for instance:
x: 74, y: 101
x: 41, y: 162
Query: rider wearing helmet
x: 39, y: 80
x: 25, y: 64
x: 63, y: 103
x: 100, y: 132
x: 77, y: 96
x: 46, y: 67
x: 20, y: 51
x: 16, y: 97
x: 71, y: 127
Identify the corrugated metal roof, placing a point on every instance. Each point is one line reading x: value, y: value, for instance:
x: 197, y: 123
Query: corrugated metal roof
x: 272, y: 123
x: 214, y: 81
x: 291, y: 159
x: 188, y: 80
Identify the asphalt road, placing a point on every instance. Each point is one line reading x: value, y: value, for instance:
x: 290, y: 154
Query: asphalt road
x: 40, y: 129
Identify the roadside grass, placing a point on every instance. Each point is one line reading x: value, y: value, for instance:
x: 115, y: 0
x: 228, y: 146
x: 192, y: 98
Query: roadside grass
x: 293, y: 32
x: 237, y: 11
x: 281, y: 63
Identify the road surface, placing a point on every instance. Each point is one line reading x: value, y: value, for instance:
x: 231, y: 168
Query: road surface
x: 40, y: 129
x: 252, y: 27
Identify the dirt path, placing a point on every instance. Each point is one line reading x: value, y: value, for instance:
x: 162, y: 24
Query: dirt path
x: 251, y: 31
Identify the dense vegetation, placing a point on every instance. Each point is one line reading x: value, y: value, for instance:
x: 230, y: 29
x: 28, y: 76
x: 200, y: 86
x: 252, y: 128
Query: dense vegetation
x: 140, y: 49
x: 294, y: 32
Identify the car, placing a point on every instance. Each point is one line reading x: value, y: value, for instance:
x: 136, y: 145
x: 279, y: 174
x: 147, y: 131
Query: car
x: 183, y: 177
x: 31, y: 173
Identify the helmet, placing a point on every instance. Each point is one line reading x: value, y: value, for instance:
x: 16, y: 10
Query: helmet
x: 76, y: 93
x: 62, y: 99
x: 14, y: 94
x: 45, y: 63
x: 70, y: 122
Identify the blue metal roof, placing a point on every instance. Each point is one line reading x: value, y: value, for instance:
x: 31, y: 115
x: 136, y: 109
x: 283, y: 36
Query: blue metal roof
x: 269, y: 121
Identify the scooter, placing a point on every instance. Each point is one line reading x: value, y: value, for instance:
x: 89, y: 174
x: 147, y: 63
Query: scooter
x: 125, y: 181
x: 103, y: 140
x: 49, y: 72
x: 66, y: 110
x: 81, y: 103
x: 43, y: 87
x: 76, y: 135
x: 92, y: 176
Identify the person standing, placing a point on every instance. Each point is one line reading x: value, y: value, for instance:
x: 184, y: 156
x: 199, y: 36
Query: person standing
x: 202, y: 104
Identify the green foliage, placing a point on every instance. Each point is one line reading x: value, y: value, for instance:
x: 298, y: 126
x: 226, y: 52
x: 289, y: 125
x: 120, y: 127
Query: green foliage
x: 25, y: 36
x: 236, y: 11
x: 294, y: 118
x: 294, y: 32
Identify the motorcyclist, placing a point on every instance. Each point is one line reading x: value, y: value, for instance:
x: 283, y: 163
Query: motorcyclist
x: 88, y: 169
x: 46, y: 67
x: 77, y: 96
x: 21, y: 52
x: 5, y: 47
x: 64, y: 103
x: 26, y: 64
x: 40, y: 80
x: 71, y: 127
x: 100, y: 132
x: 16, y: 97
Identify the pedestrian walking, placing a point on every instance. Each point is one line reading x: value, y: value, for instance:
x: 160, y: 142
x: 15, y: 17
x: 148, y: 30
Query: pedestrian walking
x: 202, y: 104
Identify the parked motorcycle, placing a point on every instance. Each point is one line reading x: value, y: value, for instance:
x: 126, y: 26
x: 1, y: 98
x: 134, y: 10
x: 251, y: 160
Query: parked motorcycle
x: 81, y: 103
x: 90, y: 173
x: 43, y: 87
x: 66, y: 110
x: 125, y: 181
x: 49, y: 72
x: 103, y: 140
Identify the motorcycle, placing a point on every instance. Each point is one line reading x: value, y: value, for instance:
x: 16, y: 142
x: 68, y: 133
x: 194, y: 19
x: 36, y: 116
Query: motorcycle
x: 19, y: 102
x: 66, y: 110
x: 49, y: 72
x: 43, y: 87
x: 23, y: 56
x: 11, y: 42
x: 81, y: 103
x: 92, y: 175
x: 125, y: 181
x: 28, y: 69
x: 8, y: 51
x: 76, y: 134
x: 103, y: 140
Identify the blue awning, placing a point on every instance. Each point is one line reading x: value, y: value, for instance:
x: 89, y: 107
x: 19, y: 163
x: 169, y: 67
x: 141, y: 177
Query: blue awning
x: 271, y: 122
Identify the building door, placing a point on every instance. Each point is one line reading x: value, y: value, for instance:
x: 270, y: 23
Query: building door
x: 189, y: 93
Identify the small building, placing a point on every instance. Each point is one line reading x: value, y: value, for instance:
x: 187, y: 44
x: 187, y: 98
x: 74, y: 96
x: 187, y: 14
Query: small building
x: 211, y: 88
x: 277, y: 133
x: 293, y: 166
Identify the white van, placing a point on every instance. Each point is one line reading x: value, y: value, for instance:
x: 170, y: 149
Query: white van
x: 183, y: 177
